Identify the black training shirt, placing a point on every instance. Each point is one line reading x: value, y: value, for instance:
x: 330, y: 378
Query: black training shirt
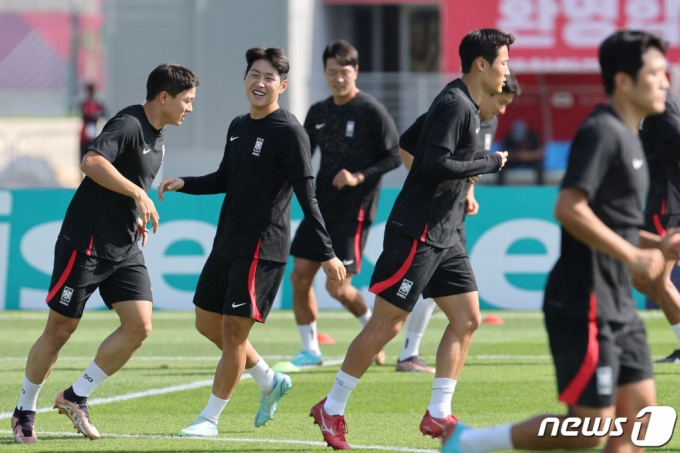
x: 103, y: 223
x: 487, y: 133
x: 427, y: 205
x: 263, y: 160
x: 660, y: 135
x: 606, y: 161
x: 359, y: 136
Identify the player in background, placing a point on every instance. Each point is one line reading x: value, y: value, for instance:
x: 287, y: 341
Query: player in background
x: 359, y: 143
x: 97, y: 248
x: 91, y: 110
x: 422, y: 253
x: 660, y: 135
x: 597, y: 339
x: 489, y: 110
x: 266, y: 157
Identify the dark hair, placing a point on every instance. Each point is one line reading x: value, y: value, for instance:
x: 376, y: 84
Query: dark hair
x: 170, y: 77
x: 623, y: 51
x: 343, y: 52
x: 274, y: 55
x: 511, y: 86
x: 485, y: 42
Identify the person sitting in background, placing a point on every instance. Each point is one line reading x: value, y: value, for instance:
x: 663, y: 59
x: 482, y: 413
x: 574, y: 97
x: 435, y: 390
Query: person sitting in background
x: 524, y: 149
x: 91, y: 110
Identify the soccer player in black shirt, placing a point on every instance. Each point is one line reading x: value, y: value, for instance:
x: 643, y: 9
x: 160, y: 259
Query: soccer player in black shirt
x: 660, y: 135
x: 489, y: 110
x: 359, y: 143
x: 97, y: 248
x: 422, y: 253
x: 267, y: 157
x: 597, y: 340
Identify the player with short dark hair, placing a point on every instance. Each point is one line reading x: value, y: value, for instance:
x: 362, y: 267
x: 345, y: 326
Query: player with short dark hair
x: 489, y: 110
x: 422, y: 253
x: 266, y: 158
x: 597, y: 339
x: 97, y: 249
x: 359, y: 143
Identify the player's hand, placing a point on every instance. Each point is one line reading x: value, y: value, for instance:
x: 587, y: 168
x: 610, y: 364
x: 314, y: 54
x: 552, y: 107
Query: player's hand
x: 169, y: 185
x: 473, y: 179
x: 143, y: 231
x: 504, y: 157
x: 335, y: 270
x: 345, y: 178
x: 649, y: 263
x: 471, y: 205
x: 147, y: 210
x: 670, y: 245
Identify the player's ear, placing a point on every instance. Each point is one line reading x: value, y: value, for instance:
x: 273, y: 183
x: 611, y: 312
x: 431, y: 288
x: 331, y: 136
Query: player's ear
x: 623, y: 81
x: 163, y: 97
x: 480, y: 64
x: 284, y: 85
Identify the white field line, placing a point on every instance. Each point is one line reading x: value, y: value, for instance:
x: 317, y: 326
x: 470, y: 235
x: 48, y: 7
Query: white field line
x: 236, y: 439
x: 151, y: 392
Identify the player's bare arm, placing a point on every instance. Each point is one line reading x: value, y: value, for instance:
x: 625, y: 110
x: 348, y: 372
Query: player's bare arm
x: 669, y: 245
x: 101, y: 171
x: 169, y: 185
x: 346, y: 178
x: 471, y: 204
x: 576, y: 216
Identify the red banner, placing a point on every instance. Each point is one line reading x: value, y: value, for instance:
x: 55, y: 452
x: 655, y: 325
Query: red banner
x: 557, y: 35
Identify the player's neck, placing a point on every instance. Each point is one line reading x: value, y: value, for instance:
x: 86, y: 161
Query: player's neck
x: 628, y: 112
x: 474, y: 86
x: 257, y: 113
x: 342, y: 100
x: 153, y: 114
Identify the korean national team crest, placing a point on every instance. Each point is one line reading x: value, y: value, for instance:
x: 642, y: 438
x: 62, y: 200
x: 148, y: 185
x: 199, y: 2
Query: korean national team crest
x: 349, y: 131
x: 405, y: 288
x: 258, y: 147
x: 66, y: 295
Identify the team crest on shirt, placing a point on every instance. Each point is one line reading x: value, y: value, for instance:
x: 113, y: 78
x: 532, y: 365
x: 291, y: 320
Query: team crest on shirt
x: 258, y: 146
x: 404, y: 288
x: 66, y: 295
x: 349, y: 131
x: 487, y: 142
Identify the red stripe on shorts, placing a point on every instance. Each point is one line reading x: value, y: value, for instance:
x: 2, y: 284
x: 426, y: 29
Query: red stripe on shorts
x: 382, y: 286
x: 357, y: 239
x: 574, y: 390
x: 251, y: 283
x: 64, y: 276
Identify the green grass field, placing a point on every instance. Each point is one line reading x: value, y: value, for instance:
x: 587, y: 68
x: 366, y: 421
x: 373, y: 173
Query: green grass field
x: 508, y: 377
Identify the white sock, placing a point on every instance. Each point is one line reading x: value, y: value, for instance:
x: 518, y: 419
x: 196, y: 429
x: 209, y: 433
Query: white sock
x: 415, y: 327
x: 214, y: 408
x: 486, y: 439
x: 309, y: 337
x: 336, y: 401
x: 442, y: 394
x: 676, y: 329
x: 89, y: 380
x: 262, y: 374
x: 29, y: 396
x: 363, y: 319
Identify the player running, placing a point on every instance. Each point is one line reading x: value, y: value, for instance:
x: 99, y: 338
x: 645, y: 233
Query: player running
x: 266, y: 157
x: 597, y: 340
x: 489, y: 110
x: 97, y: 248
x: 359, y: 143
x: 660, y: 135
x: 422, y: 253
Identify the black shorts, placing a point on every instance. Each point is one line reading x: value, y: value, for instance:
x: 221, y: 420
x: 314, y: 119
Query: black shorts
x: 76, y: 276
x: 660, y: 223
x: 244, y: 287
x: 408, y: 268
x: 593, y: 357
x: 349, y: 240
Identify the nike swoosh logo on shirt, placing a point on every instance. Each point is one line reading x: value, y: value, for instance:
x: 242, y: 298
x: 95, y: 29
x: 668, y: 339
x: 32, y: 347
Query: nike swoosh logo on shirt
x: 233, y: 305
x: 146, y: 151
x: 319, y: 126
x: 232, y: 138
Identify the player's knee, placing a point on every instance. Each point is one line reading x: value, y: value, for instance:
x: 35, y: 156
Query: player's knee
x: 59, y: 335
x: 467, y: 325
x: 138, y: 331
x: 300, y: 280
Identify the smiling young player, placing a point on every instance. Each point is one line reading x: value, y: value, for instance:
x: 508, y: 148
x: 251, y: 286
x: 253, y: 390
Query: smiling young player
x: 359, y: 143
x: 97, y: 248
x: 422, y: 253
x: 267, y: 157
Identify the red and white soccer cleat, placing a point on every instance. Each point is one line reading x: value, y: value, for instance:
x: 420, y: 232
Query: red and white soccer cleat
x: 333, y: 427
x: 435, y: 427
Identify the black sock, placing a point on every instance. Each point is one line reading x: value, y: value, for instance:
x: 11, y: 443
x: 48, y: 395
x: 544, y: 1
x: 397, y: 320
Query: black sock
x: 69, y: 395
